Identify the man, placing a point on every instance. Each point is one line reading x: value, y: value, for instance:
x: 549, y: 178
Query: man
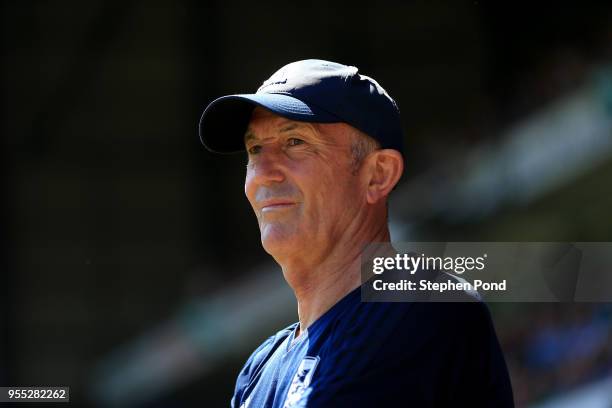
x: 324, y: 147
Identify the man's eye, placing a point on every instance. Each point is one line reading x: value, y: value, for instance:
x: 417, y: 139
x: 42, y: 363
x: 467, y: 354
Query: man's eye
x: 294, y: 141
x: 254, y: 149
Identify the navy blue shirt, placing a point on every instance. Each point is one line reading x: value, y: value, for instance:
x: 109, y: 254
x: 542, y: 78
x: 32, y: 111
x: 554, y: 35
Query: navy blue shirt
x: 360, y: 354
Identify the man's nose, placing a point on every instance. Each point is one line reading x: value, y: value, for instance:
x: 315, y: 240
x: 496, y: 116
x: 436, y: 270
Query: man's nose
x: 267, y: 168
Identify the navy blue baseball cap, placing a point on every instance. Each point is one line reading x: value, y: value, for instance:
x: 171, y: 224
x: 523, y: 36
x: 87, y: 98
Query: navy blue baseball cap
x: 307, y: 91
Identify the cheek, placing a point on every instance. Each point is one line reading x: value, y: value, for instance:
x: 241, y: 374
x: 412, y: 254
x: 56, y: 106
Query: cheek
x: 249, y: 188
x: 327, y: 192
x: 340, y: 193
x: 248, y: 182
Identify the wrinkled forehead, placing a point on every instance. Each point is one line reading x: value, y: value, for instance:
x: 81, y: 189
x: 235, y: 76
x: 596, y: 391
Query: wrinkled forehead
x: 263, y: 116
x: 263, y: 121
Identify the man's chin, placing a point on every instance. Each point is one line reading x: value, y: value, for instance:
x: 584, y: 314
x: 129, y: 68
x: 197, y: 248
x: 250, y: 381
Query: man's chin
x: 278, y: 244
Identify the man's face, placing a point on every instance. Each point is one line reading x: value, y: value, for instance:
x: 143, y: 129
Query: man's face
x: 300, y: 183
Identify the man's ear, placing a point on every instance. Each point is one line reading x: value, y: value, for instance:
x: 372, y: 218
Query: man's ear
x: 386, y: 167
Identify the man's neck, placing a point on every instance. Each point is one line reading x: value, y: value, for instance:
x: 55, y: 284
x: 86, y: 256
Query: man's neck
x: 318, y: 287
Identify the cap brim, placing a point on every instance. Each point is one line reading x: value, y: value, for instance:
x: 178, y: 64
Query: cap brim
x: 225, y: 120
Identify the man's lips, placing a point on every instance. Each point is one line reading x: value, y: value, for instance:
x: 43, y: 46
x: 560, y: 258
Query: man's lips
x: 276, y: 205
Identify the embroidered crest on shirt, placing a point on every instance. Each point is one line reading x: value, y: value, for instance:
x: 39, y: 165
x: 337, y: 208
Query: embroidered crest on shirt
x: 299, y: 388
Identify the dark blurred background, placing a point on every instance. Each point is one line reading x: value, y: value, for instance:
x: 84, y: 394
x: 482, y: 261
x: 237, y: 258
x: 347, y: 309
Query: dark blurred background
x: 131, y: 265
